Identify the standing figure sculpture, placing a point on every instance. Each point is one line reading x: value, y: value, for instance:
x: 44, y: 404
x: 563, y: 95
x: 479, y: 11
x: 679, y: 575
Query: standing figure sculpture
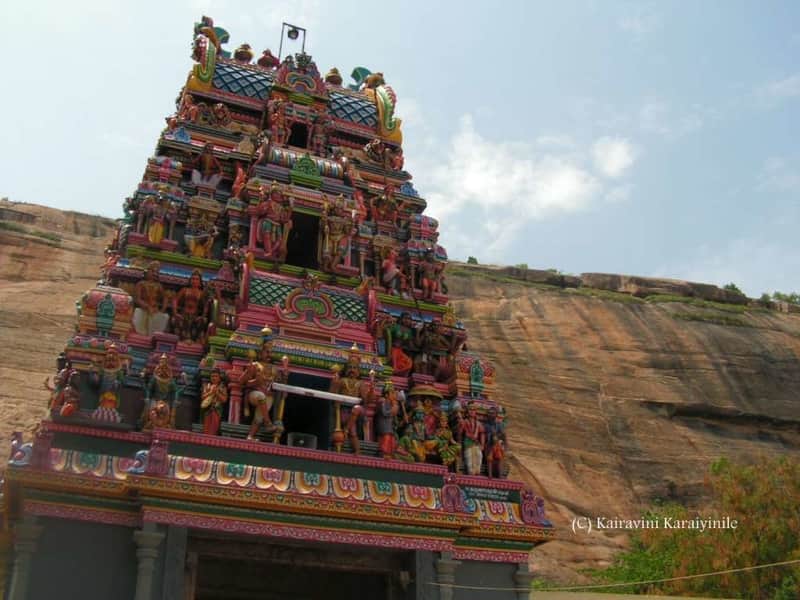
x: 60, y: 382
x: 274, y: 223
x: 449, y: 450
x: 160, y: 395
x: 279, y: 133
x: 495, y: 443
x: 388, y: 408
x: 190, y: 310
x: 473, y: 439
x: 257, y: 380
x: 108, y: 378
x: 213, y: 399
x: 148, y: 296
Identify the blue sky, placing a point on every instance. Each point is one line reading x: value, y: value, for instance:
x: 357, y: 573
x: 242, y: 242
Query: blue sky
x: 655, y: 139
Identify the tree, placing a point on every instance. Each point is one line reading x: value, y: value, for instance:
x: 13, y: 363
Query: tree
x: 472, y: 260
x: 732, y: 287
x: 761, y: 500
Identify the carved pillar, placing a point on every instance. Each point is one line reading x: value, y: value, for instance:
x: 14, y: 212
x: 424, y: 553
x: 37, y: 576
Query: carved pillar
x: 522, y: 581
x: 26, y: 534
x: 148, y: 543
x: 446, y: 575
x: 234, y: 402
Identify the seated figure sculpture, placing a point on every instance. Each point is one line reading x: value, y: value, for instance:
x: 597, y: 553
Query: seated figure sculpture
x: 148, y: 296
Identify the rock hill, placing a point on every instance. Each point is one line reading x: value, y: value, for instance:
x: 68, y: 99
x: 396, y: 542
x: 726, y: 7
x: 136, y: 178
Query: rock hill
x: 620, y: 390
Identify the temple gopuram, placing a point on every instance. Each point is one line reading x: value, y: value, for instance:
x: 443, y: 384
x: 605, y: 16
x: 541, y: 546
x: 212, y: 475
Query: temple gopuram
x: 268, y: 394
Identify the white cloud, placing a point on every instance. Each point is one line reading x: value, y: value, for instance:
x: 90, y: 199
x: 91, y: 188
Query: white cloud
x: 485, y: 192
x: 613, y: 156
x: 779, y: 174
x: 774, y: 92
x: 639, y: 23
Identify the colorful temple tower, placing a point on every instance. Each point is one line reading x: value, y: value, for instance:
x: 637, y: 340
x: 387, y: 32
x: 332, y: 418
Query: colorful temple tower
x: 268, y: 395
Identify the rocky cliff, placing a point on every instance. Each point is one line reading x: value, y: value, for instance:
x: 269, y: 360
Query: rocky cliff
x: 614, y: 399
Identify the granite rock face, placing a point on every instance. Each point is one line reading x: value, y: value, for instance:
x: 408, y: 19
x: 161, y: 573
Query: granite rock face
x: 611, y: 404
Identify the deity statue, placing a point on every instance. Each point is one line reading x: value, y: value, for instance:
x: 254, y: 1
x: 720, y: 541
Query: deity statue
x: 495, y: 443
x: 158, y: 213
x: 392, y: 275
x: 188, y: 111
x: 60, y: 382
x: 207, y: 169
x: 385, y: 207
x: 213, y: 399
x: 279, y: 132
x: 150, y: 300
x: 400, y: 335
x: 190, y: 310
x: 239, y: 180
x: 337, y: 234
x: 70, y: 396
x: 268, y: 60
x: 274, y: 223
x: 388, y: 408
x: 473, y: 438
x: 108, y: 378
x: 405, y: 445
x: 318, y: 139
x: 431, y: 271
x: 257, y: 380
x: 160, y: 397
x: 449, y: 450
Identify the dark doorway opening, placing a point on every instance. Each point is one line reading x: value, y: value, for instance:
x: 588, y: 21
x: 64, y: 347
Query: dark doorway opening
x: 305, y: 414
x: 301, y: 247
x: 299, y: 135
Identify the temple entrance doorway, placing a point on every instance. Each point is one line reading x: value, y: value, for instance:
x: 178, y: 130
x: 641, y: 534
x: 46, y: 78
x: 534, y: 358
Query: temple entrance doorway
x: 301, y: 247
x: 305, y: 414
x: 229, y: 569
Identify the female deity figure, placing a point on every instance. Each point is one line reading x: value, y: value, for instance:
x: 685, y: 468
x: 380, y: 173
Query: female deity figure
x: 190, y: 310
x: 160, y: 395
x: 388, y: 408
x: 108, y: 379
x: 213, y: 399
x: 60, y: 382
x: 473, y: 437
x: 257, y: 380
x: 449, y: 450
x: 158, y: 214
x: 149, y: 298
